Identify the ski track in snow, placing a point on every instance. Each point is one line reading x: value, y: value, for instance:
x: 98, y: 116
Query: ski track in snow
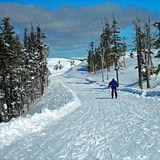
x: 91, y: 127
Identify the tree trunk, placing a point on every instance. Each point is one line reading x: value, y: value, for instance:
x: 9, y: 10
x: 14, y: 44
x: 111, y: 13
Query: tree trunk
x: 102, y: 63
x: 140, y: 71
x: 147, y: 70
x: 148, y: 39
x: 139, y: 52
x: 148, y: 76
x: 117, y: 76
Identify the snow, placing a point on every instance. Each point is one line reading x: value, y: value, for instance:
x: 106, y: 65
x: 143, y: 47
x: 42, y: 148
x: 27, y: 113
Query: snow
x: 65, y: 62
x: 76, y: 119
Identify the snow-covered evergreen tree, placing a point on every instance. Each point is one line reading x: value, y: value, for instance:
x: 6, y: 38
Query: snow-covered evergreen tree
x: 41, y: 61
x: 157, y: 44
x: 139, y: 48
x: 10, y: 71
x: 116, y: 52
x: 105, y: 45
x: 91, y: 59
x: 109, y: 51
x: 23, y: 69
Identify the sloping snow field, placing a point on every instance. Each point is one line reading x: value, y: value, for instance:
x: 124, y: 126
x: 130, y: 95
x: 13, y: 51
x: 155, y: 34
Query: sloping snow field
x: 76, y: 119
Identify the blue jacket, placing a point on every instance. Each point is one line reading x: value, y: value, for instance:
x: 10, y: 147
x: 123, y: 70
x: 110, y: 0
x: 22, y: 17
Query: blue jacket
x: 113, y: 84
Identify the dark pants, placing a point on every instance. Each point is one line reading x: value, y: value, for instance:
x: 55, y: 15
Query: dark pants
x: 114, y: 91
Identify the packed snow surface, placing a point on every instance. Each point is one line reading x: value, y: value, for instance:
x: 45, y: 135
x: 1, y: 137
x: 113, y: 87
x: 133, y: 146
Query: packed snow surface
x: 76, y: 119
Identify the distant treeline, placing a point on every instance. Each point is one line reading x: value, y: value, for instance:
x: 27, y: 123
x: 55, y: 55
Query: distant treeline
x: 23, y: 69
x: 112, y: 49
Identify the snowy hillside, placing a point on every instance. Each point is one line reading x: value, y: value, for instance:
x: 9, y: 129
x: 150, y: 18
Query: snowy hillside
x: 76, y: 119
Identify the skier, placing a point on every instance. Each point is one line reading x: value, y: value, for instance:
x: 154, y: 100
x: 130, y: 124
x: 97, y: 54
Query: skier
x: 114, y: 86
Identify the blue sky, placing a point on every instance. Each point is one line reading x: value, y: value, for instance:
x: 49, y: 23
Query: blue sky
x: 153, y: 5
x: 70, y: 25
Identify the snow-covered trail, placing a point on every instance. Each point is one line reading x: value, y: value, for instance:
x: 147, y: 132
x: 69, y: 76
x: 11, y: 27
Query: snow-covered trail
x: 111, y: 129
x: 100, y: 128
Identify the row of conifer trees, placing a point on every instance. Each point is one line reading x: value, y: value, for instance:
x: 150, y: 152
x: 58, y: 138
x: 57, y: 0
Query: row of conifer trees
x: 112, y: 49
x: 23, y: 69
x: 145, y: 40
x: 109, y: 51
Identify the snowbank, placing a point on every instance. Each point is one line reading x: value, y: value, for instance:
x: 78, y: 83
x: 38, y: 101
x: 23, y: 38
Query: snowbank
x: 59, y: 102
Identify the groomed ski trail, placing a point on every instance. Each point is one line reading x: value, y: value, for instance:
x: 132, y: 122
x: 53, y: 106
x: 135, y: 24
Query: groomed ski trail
x: 101, y: 128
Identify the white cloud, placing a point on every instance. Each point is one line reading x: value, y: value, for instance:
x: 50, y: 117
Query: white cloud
x: 68, y: 25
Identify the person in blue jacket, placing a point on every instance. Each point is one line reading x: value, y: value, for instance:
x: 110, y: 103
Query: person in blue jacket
x: 114, y: 86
